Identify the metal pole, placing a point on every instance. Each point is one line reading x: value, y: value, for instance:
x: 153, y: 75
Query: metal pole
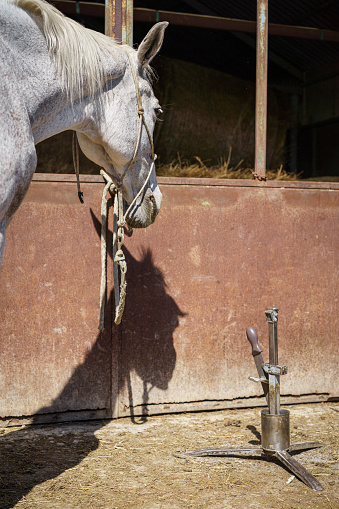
x: 261, y: 88
x: 294, y: 133
x: 119, y: 20
x: 272, y: 319
x: 273, y: 379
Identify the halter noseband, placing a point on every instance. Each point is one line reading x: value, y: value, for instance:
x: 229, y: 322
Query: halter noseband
x: 120, y: 218
x: 114, y: 185
x: 117, y: 181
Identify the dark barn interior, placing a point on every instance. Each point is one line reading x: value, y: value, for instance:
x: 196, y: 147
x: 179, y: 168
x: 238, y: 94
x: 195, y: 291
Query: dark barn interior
x: 303, y: 74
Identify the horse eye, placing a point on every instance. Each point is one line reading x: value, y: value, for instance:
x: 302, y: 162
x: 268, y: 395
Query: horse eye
x: 158, y: 111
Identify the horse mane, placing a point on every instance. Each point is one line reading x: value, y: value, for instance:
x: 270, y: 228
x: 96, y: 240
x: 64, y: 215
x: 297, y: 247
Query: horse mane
x: 78, y: 52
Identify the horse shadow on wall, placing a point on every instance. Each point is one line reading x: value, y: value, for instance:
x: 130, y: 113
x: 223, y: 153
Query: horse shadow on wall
x: 32, y: 455
x: 146, y: 334
x: 146, y: 340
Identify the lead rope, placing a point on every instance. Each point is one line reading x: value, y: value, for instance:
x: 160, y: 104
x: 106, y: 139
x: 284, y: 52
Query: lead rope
x: 119, y: 218
x: 75, y: 153
x: 119, y: 221
x: 118, y: 255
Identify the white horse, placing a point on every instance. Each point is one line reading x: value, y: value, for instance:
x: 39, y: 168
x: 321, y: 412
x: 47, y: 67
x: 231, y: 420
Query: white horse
x: 57, y: 75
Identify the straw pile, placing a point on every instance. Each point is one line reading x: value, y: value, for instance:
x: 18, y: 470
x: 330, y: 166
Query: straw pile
x: 222, y: 170
x: 55, y: 156
x: 205, y: 113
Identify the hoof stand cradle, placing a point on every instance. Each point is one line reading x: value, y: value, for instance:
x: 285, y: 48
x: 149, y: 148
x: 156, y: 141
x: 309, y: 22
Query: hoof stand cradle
x: 275, y: 422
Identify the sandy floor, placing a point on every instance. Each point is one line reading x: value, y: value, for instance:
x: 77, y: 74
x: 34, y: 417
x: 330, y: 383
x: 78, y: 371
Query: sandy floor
x: 120, y: 464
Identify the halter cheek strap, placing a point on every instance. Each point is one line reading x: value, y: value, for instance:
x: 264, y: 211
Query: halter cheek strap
x: 118, y: 183
x: 120, y: 217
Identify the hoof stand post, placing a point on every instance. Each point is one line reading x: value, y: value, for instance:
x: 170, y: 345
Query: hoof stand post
x: 275, y: 422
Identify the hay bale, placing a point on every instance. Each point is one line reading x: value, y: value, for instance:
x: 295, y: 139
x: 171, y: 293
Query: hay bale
x: 55, y: 156
x: 207, y: 112
x: 222, y: 170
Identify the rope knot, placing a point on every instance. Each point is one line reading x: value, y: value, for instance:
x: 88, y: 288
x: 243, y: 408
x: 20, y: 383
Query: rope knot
x: 119, y: 256
x: 121, y: 223
x: 141, y: 111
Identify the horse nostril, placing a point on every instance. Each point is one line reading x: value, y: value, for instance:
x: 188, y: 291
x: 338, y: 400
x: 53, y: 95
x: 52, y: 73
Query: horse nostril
x: 152, y: 200
x: 154, y: 211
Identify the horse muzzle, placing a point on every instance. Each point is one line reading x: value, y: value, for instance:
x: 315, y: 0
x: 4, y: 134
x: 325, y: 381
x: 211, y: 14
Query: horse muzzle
x: 144, y: 214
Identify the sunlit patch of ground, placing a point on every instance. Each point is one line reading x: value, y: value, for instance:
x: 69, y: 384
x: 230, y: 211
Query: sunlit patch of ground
x: 119, y: 464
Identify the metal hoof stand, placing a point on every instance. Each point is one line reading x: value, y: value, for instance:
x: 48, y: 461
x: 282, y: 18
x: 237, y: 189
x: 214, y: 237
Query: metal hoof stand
x: 275, y: 422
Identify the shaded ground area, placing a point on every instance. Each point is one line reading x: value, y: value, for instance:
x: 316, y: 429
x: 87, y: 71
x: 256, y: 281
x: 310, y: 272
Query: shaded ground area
x: 121, y: 465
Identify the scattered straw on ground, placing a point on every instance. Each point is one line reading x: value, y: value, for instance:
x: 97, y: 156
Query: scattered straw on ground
x: 123, y: 464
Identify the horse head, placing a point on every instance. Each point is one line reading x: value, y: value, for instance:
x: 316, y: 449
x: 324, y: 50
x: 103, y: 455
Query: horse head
x: 119, y: 133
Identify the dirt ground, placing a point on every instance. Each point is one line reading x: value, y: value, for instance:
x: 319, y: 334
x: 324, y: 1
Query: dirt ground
x: 121, y: 464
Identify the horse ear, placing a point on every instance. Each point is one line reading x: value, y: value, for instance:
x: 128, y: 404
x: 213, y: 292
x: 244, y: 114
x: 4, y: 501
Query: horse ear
x: 151, y: 43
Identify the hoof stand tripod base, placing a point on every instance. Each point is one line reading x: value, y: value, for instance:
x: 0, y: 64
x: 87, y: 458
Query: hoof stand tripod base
x: 275, y: 422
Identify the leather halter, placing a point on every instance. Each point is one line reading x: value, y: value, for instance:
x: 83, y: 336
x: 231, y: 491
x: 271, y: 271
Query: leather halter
x: 142, y: 121
x: 118, y: 180
x: 114, y: 185
x: 120, y: 218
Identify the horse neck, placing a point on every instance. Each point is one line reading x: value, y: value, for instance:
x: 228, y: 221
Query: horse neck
x: 54, y: 112
x: 48, y: 108
x: 58, y: 115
